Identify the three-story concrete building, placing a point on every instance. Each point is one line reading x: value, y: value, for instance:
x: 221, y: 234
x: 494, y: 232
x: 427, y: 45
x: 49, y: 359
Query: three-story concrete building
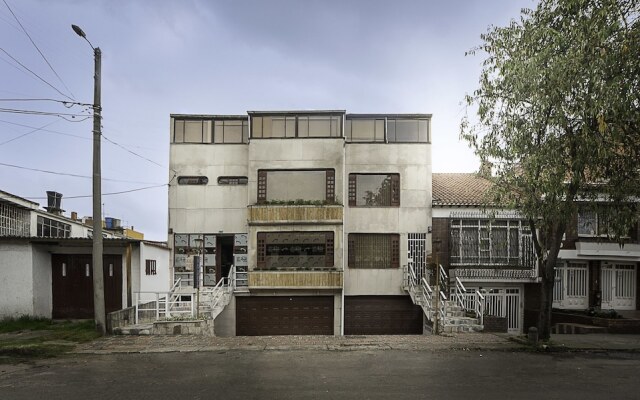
x: 313, y: 212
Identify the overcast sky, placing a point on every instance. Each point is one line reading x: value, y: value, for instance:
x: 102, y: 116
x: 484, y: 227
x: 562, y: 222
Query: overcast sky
x: 219, y: 57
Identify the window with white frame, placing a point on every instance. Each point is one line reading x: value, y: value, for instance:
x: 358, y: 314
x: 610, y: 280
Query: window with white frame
x: 592, y: 223
x: 485, y: 242
x: 47, y: 227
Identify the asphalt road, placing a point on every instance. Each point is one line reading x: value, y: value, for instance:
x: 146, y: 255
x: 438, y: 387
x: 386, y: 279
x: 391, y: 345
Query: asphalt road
x: 362, y: 374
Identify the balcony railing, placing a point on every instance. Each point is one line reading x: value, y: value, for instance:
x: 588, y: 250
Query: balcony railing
x: 295, y: 279
x: 295, y: 214
x: 489, y: 274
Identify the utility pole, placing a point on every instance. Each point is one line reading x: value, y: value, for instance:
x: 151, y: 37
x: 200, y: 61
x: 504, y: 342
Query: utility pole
x: 98, y: 279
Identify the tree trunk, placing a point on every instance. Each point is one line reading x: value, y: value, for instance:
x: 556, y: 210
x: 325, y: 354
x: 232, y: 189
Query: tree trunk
x: 546, y: 304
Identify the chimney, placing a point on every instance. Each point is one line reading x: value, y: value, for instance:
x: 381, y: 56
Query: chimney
x: 54, y: 202
x: 74, y: 215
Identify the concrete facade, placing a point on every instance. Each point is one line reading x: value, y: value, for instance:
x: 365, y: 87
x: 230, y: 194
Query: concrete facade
x: 215, y: 209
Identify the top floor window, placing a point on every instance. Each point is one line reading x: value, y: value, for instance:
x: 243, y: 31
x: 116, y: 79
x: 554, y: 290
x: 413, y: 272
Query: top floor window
x: 484, y: 242
x: 210, y: 130
x: 296, y: 126
x: 408, y: 130
x: 592, y: 223
x: 365, y: 130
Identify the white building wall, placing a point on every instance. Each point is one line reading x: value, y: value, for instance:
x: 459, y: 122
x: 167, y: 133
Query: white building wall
x: 160, y: 281
x: 16, y: 276
x: 413, y: 163
x: 42, y: 283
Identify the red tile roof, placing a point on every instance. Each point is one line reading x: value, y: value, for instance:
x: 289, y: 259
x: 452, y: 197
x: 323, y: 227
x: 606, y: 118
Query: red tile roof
x: 461, y: 189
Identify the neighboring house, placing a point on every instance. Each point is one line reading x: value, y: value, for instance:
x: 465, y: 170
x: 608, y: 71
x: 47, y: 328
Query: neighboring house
x: 312, y: 212
x: 489, y: 249
x: 594, y: 270
x: 46, y: 262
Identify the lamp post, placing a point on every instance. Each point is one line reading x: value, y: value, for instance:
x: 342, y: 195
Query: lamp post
x: 197, y: 271
x: 98, y: 280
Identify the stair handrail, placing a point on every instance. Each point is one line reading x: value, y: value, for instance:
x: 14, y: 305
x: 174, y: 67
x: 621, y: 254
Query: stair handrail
x: 459, y: 293
x: 443, y: 306
x: 231, y: 280
x: 479, y: 306
x: 412, y: 276
x: 427, y: 295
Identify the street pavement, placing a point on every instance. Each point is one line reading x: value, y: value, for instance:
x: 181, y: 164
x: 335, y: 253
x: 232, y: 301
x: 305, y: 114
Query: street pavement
x: 363, y: 373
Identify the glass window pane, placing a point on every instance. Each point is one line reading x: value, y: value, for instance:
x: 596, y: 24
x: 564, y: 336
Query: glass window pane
x: 266, y: 127
x: 232, y: 131
x: 295, y: 185
x: 303, y: 250
x: 373, y: 190
x: 256, y: 127
x: 193, y: 131
x: 347, y: 129
x: 319, y: 127
x: 290, y: 127
x: 363, y: 130
x: 335, y: 127
x: 218, y: 132
x: 178, y: 132
x: 379, y: 137
x: 406, y: 130
x: 423, y: 131
x: 277, y: 127
x: 372, y: 251
x: 245, y: 132
x: 303, y: 126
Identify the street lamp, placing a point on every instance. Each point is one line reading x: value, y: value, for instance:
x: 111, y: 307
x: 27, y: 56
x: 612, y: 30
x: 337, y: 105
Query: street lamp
x: 98, y: 280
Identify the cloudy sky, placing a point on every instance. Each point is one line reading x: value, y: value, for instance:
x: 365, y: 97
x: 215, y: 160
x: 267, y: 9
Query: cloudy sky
x: 217, y: 57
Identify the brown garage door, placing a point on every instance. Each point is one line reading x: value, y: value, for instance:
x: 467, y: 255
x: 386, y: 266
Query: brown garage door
x: 284, y: 315
x: 72, y: 285
x: 381, y: 315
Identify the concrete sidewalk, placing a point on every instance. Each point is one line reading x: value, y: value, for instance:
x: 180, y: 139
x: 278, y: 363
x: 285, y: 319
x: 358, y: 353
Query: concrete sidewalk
x: 164, y: 344
x: 454, y: 342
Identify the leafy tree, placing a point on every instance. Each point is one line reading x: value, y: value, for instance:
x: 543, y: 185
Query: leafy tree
x: 558, y: 114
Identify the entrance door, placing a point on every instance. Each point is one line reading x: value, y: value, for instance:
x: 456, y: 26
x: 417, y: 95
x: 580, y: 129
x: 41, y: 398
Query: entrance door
x: 618, y: 286
x: 72, y: 285
x: 570, y: 290
x: 224, y: 255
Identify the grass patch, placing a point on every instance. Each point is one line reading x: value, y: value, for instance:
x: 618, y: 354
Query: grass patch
x: 30, y: 337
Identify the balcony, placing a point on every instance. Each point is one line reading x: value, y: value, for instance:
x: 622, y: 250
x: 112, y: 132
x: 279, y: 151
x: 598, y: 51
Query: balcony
x: 295, y: 280
x: 273, y: 214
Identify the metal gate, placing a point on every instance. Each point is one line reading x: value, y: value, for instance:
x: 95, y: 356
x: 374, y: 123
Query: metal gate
x: 505, y: 303
x: 417, y: 245
x: 618, y: 284
x: 570, y: 290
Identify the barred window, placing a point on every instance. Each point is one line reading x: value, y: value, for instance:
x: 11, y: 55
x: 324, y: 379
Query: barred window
x: 296, y: 250
x: 150, y: 267
x: 374, y: 250
x: 232, y: 180
x: 489, y: 242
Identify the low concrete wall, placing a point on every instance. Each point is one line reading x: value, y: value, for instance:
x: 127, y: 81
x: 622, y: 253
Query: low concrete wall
x: 495, y: 324
x: 613, y: 325
x: 127, y: 316
x: 197, y: 327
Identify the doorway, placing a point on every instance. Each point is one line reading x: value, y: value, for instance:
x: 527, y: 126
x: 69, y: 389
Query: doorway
x: 224, y: 255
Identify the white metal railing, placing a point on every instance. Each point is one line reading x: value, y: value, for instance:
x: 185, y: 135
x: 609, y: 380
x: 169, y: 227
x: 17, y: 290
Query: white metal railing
x: 185, y: 278
x: 427, y: 298
x: 458, y: 293
x: 165, y: 304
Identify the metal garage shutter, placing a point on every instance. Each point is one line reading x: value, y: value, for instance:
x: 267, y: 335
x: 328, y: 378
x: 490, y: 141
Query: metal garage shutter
x: 381, y: 315
x: 284, y: 315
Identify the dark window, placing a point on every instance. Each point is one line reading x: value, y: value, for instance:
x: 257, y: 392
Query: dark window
x: 232, y: 180
x: 230, y: 131
x: 292, y: 126
x: 190, y: 130
x: 408, y: 130
x: 47, y: 227
x: 295, y: 250
x: 150, y: 267
x: 374, y: 250
x: 296, y: 185
x: 365, y: 130
x: 374, y: 190
x: 193, y: 180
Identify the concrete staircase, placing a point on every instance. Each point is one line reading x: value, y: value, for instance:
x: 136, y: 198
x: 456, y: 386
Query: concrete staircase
x: 457, y: 321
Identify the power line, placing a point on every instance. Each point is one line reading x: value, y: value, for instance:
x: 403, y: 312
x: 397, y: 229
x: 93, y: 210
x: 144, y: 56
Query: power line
x: 36, y: 75
x: 36, y: 112
x: 28, y: 133
x: 134, y: 153
x: 46, y: 130
x: 37, y: 48
x: 104, y: 194
x: 44, y: 171
x: 66, y: 103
